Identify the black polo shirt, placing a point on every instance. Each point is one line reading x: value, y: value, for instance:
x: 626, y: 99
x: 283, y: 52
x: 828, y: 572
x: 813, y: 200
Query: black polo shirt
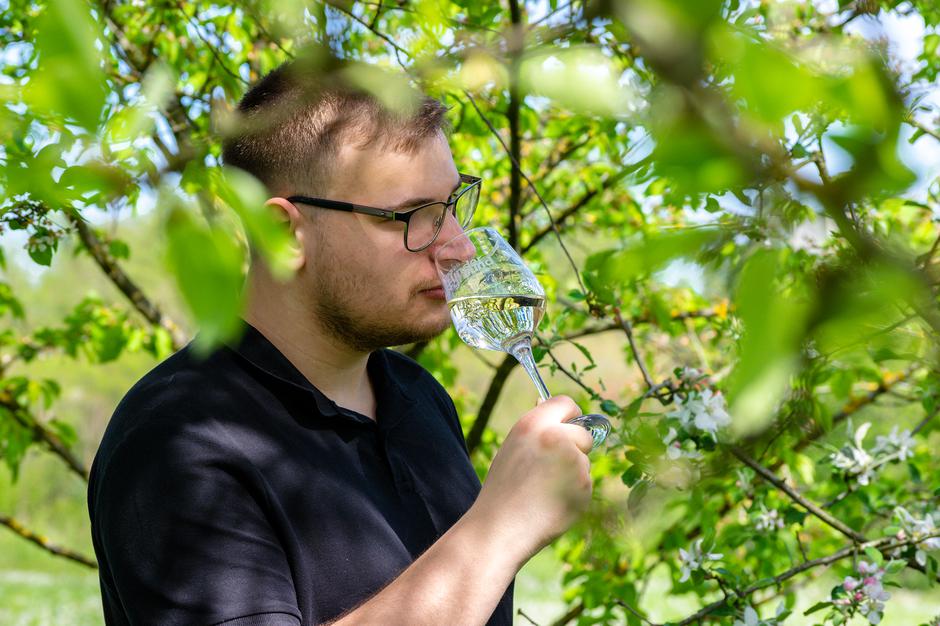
x: 230, y: 490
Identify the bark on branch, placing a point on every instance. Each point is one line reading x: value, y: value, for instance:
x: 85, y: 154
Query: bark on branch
x: 23, y: 417
x: 45, y: 544
x: 125, y: 285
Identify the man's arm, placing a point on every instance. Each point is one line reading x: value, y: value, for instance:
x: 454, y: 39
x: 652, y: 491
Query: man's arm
x: 538, y: 485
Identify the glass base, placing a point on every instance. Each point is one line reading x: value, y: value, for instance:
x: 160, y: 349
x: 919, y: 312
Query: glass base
x: 597, y: 425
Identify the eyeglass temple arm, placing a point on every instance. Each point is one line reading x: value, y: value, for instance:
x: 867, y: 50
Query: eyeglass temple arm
x: 344, y: 206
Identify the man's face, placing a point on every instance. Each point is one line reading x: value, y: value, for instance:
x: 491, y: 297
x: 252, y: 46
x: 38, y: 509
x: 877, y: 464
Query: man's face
x: 365, y: 287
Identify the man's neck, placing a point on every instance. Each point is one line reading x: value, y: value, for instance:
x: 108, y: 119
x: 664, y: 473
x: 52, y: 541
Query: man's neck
x: 332, y: 367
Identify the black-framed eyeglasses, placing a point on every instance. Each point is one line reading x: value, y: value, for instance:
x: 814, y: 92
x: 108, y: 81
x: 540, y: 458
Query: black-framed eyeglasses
x: 422, y: 223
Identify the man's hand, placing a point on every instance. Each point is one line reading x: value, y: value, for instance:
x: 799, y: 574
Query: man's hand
x: 540, y: 481
x: 537, y: 487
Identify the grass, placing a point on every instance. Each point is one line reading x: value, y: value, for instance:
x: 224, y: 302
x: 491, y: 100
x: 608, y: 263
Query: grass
x: 34, y: 598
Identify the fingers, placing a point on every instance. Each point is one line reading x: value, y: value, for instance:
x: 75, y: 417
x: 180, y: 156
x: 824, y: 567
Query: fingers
x: 564, y: 410
x: 559, y: 408
x: 581, y: 436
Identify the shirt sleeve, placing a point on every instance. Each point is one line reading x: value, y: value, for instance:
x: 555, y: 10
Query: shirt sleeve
x: 179, y: 519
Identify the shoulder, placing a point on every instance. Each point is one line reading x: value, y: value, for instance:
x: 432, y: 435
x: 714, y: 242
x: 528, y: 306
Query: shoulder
x: 171, y: 404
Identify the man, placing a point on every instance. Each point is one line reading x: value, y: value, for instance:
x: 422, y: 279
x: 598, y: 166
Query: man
x: 304, y: 474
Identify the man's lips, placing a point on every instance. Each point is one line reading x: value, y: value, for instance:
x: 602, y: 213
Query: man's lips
x: 434, y: 292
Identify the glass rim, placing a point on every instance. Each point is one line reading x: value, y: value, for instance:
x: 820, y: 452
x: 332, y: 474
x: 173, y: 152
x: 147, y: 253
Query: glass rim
x: 466, y: 232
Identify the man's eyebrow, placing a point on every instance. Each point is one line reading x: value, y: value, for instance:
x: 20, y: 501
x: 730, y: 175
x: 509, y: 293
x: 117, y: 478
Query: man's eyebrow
x: 419, y: 201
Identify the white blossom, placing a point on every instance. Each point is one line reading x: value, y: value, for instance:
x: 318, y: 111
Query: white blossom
x: 673, y: 446
x: 677, y: 449
x: 768, y: 520
x: 897, y: 444
x: 916, y: 528
x: 854, y: 460
x: 704, y: 410
x: 750, y: 617
x: 695, y: 559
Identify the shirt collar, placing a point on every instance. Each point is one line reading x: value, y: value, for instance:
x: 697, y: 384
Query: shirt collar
x: 256, y: 349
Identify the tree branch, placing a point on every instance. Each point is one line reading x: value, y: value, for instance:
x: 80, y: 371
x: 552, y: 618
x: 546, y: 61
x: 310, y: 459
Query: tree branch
x: 475, y: 436
x: 628, y: 330
x: 794, y: 495
x: 22, y: 415
x: 44, y: 543
x: 113, y: 271
x: 515, y: 134
x: 548, y: 211
x: 922, y: 127
x: 884, y: 544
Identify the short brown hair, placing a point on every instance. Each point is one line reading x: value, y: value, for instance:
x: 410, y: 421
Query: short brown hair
x: 293, y: 121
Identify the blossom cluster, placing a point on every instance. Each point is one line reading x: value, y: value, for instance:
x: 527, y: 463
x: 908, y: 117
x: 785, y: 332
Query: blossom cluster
x: 865, y: 595
x: 914, y: 528
x: 701, y: 411
x: 861, y: 464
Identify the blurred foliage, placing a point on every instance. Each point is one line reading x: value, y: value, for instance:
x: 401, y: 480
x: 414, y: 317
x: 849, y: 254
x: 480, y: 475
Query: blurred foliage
x: 746, y: 225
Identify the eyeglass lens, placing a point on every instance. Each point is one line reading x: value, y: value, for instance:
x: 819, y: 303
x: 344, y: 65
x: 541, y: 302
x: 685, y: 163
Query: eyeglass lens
x: 426, y: 223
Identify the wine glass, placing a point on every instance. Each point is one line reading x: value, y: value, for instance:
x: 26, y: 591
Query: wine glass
x: 496, y: 303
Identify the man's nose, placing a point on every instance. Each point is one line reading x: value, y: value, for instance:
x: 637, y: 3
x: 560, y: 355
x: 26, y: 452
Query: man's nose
x: 452, y: 245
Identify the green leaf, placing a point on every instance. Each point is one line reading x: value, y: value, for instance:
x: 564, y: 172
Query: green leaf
x: 637, y: 495
x: 819, y: 606
x: 69, y: 79
x: 119, y: 249
x: 247, y: 196
x: 618, y: 267
x: 632, y: 475
x: 774, y: 324
x: 632, y: 409
x: 875, y: 555
x: 207, y: 264
x: 40, y: 247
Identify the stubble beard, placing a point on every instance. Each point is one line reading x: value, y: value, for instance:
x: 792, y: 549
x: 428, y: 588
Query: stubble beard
x: 343, y: 308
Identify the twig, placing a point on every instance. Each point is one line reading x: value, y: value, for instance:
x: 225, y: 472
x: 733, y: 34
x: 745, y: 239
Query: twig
x: 707, y: 313
x: 548, y: 211
x: 45, y: 544
x: 574, y: 208
x: 531, y: 621
x: 924, y: 421
x: 883, y: 544
x: 574, y: 612
x: 558, y: 9
x: 625, y: 325
x: 475, y: 436
x: 923, y: 128
x: 113, y: 271
x: 770, y: 477
x: 196, y: 24
x: 799, y: 543
x: 635, y: 612
x: 22, y: 415
x: 577, y: 379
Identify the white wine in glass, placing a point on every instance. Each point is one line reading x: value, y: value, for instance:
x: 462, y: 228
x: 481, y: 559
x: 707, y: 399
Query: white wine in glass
x: 496, y: 303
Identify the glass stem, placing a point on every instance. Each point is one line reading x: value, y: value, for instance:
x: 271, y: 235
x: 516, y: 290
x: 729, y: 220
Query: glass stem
x: 521, y: 349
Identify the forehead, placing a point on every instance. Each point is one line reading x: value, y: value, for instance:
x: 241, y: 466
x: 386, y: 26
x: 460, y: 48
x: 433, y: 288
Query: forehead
x: 379, y: 176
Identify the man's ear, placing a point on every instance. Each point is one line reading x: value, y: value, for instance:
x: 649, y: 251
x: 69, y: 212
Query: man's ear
x: 287, y: 213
